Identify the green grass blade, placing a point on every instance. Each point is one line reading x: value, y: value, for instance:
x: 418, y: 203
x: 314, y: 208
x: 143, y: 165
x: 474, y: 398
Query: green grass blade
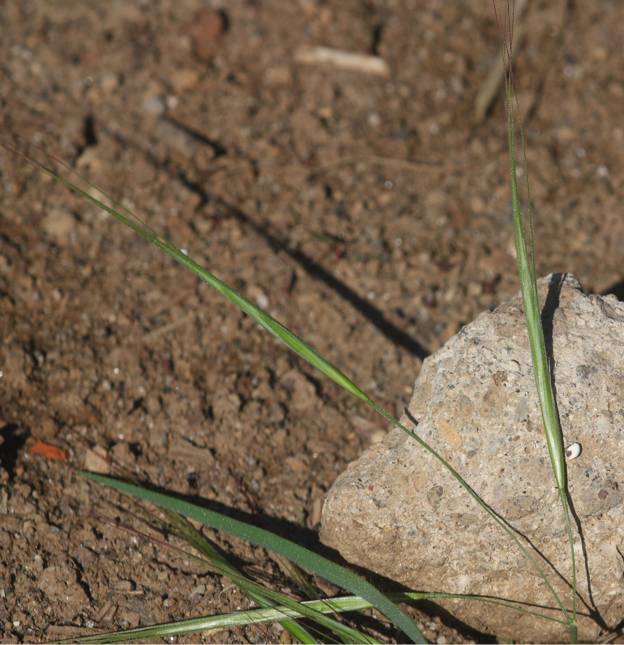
x: 525, y: 259
x: 563, y: 492
x: 528, y: 284
x: 256, y: 616
x: 185, y: 530
x: 338, y: 575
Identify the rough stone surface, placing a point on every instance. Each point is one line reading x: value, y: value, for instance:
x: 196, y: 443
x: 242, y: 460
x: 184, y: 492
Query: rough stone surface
x: 397, y: 512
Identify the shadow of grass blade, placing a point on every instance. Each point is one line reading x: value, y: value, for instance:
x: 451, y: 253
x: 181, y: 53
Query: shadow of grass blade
x: 306, y: 559
x: 269, y: 323
x: 298, y: 576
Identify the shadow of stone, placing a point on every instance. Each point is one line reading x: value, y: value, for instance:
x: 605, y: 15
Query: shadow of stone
x: 548, y: 313
x: 616, y: 290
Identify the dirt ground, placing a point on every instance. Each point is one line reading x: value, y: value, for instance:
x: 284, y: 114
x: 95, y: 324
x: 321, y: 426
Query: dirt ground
x: 368, y: 213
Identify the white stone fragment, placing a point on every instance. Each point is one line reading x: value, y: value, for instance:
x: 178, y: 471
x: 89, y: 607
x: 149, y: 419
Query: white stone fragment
x: 573, y: 451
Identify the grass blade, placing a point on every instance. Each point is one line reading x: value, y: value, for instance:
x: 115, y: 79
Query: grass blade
x: 185, y: 530
x: 541, y: 368
x: 256, y: 616
x: 338, y: 575
x: 525, y: 259
x: 532, y: 314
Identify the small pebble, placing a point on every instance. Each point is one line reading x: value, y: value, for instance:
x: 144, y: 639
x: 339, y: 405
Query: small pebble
x: 154, y: 105
x: 573, y: 451
x: 96, y: 460
x: 109, y: 82
x: 184, y: 79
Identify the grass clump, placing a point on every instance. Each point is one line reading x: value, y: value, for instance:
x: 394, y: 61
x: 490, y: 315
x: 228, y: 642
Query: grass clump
x: 90, y: 193
x: 524, y: 242
x: 275, y: 606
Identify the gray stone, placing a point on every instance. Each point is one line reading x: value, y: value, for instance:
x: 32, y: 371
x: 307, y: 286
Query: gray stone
x: 397, y: 512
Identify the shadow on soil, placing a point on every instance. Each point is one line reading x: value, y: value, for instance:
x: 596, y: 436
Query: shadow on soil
x: 313, y: 268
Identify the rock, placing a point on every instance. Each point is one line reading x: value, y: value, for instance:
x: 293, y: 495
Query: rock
x: 183, y: 80
x: 398, y: 513
x: 302, y: 391
x: 278, y: 76
x: 154, y: 105
x: 96, y: 461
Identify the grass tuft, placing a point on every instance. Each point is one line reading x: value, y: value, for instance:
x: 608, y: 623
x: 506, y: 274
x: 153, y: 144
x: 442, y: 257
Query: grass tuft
x: 277, y: 606
x: 524, y: 242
